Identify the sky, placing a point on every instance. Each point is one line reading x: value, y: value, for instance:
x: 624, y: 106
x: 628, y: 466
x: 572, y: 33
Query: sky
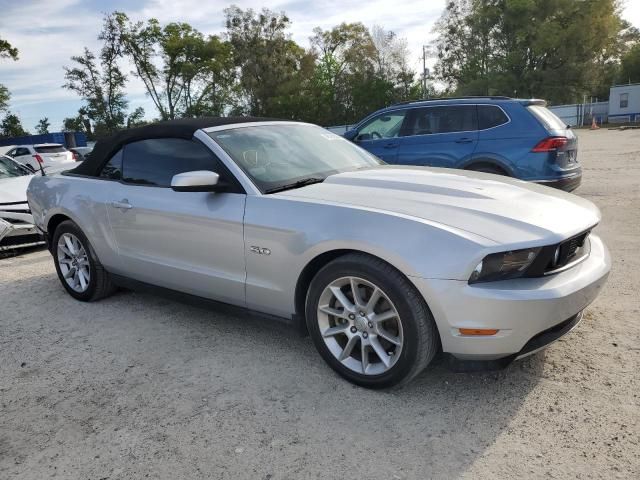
x: 48, y: 32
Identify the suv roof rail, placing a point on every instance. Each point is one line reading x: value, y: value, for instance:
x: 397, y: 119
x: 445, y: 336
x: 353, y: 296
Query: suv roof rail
x: 467, y: 97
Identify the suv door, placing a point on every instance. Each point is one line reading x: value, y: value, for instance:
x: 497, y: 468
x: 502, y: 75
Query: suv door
x: 380, y: 135
x: 187, y: 241
x: 439, y: 136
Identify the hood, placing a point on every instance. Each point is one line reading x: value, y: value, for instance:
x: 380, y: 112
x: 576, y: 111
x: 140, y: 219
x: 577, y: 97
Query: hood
x: 14, y: 189
x: 500, y: 209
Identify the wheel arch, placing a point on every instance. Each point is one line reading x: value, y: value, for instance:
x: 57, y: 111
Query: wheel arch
x: 489, y: 161
x: 52, y: 225
x: 313, y: 266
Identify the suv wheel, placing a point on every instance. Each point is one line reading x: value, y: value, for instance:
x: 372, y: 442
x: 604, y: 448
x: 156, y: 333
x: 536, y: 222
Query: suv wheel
x: 77, y: 265
x: 369, y: 323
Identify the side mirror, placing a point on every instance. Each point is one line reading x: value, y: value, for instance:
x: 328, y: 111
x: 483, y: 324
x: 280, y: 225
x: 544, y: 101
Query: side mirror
x: 351, y: 134
x: 198, y: 181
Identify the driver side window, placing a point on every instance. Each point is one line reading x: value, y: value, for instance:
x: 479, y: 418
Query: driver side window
x: 386, y: 125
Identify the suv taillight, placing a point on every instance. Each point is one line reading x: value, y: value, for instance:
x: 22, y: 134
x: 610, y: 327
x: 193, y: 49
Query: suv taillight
x: 38, y: 159
x: 75, y: 156
x: 550, y: 144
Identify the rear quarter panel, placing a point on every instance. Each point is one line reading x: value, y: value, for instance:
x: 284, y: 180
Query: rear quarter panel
x: 510, y: 145
x: 81, y: 199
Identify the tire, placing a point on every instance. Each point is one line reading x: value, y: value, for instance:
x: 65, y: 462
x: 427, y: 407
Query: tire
x: 99, y: 284
x: 487, y: 168
x: 413, y: 331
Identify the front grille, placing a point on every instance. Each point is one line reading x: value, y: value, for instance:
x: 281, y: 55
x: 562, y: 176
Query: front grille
x: 567, y: 251
x: 554, y: 258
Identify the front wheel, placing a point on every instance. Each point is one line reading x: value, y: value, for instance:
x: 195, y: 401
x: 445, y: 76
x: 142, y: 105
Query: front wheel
x: 77, y: 265
x: 369, y: 323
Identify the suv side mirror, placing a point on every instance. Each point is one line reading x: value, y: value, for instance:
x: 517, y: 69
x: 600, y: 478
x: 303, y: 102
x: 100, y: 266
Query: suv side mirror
x: 351, y: 134
x: 198, y: 181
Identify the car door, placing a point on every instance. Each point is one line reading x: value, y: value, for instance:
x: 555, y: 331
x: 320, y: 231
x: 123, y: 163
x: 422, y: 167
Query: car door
x: 439, y: 136
x: 381, y: 135
x: 187, y: 241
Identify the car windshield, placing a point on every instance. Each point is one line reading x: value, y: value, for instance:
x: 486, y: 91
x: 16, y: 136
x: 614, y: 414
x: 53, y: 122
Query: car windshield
x: 282, y: 156
x: 9, y: 169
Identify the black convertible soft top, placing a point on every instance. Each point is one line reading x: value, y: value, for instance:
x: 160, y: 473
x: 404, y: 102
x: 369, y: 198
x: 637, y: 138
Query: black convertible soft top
x: 182, y: 128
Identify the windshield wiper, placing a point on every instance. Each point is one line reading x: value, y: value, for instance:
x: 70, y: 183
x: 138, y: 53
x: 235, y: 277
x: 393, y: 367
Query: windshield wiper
x: 297, y: 184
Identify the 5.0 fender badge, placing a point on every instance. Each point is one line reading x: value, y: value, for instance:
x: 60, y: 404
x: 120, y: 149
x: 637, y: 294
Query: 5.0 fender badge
x: 260, y: 250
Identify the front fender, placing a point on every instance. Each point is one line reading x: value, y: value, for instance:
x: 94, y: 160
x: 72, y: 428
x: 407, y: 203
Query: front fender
x: 297, y: 231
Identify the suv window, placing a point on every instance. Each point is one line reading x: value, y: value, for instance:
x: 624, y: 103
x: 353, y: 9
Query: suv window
x: 387, y: 125
x: 156, y: 161
x: 490, y: 116
x: 548, y: 119
x: 113, y: 168
x: 442, y: 119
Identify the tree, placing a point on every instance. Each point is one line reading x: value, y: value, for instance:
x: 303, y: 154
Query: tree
x: 6, y: 52
x: 43, y: 126
x: 555, y: 49
x: 12, y: 127
x: 184, y: 72
x: 100, y: 81
x: 347, y: 60
x: 271, y: 64
x: 630, y: 66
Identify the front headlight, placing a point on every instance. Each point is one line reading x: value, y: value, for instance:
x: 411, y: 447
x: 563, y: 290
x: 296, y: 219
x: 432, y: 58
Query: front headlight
x: 504, y: 265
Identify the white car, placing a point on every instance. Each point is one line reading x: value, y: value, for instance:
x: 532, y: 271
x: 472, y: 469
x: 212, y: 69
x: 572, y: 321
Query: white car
x: 16, y: 223
x: 384, y: 264
x: 45, y: 155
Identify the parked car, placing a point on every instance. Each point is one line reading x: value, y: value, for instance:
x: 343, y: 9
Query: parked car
x: 43, y: 155
x: 16, y: 223
x: 81, y: 153
x: 384, y: 264
x: 500, y: 135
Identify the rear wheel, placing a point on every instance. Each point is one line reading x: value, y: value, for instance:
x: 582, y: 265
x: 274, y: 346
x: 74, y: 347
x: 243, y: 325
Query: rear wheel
x: 369, y: 323
x: 77, y: 265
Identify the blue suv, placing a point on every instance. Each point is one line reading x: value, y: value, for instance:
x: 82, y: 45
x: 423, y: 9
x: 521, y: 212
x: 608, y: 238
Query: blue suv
x: 501, y: 135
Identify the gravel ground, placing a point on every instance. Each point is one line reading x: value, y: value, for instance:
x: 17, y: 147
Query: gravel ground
x: 138, y: 386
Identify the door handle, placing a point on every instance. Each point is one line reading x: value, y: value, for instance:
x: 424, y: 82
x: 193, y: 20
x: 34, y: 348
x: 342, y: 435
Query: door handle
x: 123, y: 204
x: 464, y: 140
x: 391, y: 145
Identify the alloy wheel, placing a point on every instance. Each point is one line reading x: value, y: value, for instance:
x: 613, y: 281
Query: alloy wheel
x: 360, y: 325
x: 74, y: 262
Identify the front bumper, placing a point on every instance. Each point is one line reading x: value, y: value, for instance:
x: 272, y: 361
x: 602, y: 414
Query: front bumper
x: 519, y: 309
x: 17, y: 230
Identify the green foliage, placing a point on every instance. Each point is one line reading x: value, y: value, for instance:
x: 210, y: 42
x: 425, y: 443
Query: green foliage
x: 73, y: 124
x: 43, y: 126
x: 554, y: 49
x: 12, y: 127
x: 273, y: 69
x: 6, y: 51
x: 100, y: 82
x: 630, y: 66
x: 184, y: 72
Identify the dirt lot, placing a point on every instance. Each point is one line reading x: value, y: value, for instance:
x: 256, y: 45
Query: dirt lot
x: 138, y: 386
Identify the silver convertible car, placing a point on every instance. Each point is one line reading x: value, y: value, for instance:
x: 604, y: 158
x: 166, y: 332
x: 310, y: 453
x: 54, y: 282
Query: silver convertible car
x: 383, y: 265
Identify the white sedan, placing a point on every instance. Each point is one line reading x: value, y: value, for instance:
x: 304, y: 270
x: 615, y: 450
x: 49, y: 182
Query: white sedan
x: 383, y: 265
x: 43, y: 156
